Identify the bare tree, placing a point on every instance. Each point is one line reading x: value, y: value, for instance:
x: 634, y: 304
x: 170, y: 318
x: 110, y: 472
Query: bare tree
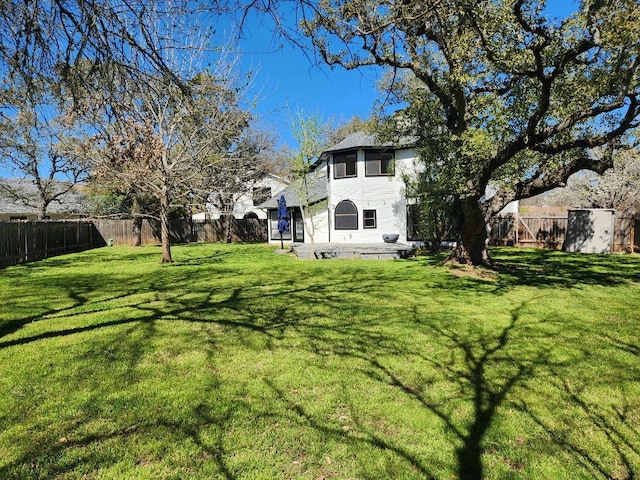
x: 38, y: 144
x: 84, y: 43
x: 170, y: 145
x: 311, y: 135
x: 616, y: 188
x: 168, y: 136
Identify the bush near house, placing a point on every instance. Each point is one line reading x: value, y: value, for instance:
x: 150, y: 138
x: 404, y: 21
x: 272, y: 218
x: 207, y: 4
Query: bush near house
x: 238, y: 363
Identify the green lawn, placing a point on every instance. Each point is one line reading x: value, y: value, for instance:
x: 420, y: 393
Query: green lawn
x: 235, y: 362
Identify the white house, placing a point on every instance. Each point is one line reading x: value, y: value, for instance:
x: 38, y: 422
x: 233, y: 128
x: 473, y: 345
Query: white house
x: 357, y: 193
x: 243, y: 202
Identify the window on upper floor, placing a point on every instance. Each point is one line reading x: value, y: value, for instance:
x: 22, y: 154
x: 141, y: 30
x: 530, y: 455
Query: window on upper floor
x: 346, y: 216
x: 344, y: 164
x: 378, y: 163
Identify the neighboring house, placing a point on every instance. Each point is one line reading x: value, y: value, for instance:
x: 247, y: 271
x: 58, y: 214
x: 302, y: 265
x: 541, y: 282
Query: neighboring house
x: 244, y: 203
x: 358, y: 193
x: 71, y: 205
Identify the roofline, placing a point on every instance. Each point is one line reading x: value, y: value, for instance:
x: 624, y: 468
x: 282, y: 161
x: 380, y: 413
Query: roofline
x: 369, y: 143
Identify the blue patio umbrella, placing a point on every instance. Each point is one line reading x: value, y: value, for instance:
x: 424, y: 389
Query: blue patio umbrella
x: 283, y: 218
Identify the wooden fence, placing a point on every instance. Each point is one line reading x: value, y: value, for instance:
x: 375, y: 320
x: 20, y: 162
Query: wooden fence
x: 26, y: 241
x: 120, y: 232
x: 543, y: 231
x: 239, y: 230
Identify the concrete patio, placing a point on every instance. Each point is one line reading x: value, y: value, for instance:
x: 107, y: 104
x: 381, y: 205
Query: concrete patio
x: 378, y: 251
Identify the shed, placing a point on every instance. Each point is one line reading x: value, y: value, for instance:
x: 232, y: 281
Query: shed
x: 590, y: 230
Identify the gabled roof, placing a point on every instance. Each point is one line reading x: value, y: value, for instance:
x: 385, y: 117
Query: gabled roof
x: 366, y: 140
x: 317, y: 191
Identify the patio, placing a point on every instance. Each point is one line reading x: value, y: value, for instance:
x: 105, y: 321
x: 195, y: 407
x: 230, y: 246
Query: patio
x: 378, y: 251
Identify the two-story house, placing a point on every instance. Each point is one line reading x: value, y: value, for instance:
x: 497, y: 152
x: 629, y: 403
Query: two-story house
x: 357, y: 194
x: 242, y: 200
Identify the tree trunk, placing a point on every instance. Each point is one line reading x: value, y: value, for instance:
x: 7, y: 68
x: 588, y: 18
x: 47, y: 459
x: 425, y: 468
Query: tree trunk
x: 42, y: 210
x: 472, y: 248
x: 136, y: 210
x: 309, y: 229
x: 228, y: 223
x: 164, y: 230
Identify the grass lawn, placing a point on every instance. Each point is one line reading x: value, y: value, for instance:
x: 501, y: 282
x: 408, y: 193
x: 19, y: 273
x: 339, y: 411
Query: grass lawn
x: 235, y: 362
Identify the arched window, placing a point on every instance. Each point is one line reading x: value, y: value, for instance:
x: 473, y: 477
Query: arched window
x: 251, y: 215
x: 346, y: 216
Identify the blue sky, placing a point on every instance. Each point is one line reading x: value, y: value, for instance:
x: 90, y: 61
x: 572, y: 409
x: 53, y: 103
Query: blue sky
x: 289, y: 80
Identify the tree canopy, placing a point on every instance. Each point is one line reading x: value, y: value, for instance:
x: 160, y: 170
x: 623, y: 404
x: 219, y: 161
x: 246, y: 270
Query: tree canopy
x: 77, y: 42
x: 38, y: 144
x: 525, y: 100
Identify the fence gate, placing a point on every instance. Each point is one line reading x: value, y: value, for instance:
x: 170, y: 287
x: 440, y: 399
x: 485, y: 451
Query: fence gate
x: 545, y: 231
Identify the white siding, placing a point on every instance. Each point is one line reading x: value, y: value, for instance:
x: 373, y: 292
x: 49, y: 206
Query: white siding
x: 320, y: 221
x: 384, y: 194
x: 244, y: 203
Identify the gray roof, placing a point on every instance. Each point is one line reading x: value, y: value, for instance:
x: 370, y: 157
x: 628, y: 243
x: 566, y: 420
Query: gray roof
x: 317, y: 191
x: 72, y: 202
x: 366, y: 140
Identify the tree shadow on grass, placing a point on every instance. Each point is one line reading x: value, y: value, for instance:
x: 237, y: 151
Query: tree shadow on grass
x: 481, y: 353
x: 50, y: 460
x: 550, y: 268
x: 616, y: 429
x: 334, y: 432
x: 481, y: 387
x: 79, y: 295
x: 489, y: 366
x: 493, y: 370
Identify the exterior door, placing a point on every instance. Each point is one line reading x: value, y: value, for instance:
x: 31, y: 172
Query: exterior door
x: 298, y: 226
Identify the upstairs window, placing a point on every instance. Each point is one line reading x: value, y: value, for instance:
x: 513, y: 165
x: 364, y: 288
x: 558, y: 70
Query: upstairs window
x: 344, y: 165
x: 378, y: 163
x: 346, y: 216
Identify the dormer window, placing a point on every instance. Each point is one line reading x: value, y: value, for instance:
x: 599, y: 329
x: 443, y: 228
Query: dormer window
x: 344, y: 164
x: 378, y: 163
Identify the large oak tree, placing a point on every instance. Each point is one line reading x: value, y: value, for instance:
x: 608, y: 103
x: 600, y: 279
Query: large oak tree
x: 523, y: 100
